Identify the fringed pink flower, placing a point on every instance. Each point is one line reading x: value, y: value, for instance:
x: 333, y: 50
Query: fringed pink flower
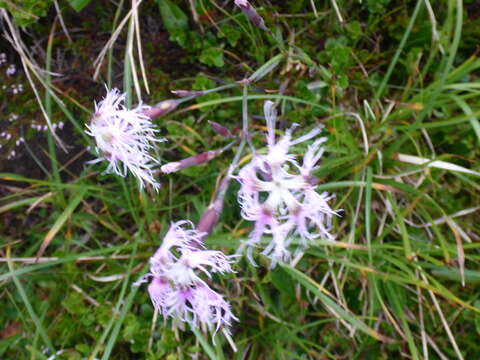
x: 177, y: 289
x: 124, y: 138
x: 279, y: 195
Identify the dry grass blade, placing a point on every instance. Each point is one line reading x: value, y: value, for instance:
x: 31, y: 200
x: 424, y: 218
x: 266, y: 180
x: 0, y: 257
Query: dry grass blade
x: 446, y: 218
x: 460, y: 251
x: 38, y: 202
x: 344, y: 315
x: 88, y: 298
x: 434, y: 163
x: 132, y: 15
x: 139, y: 45
x: 109, y: 278
x: 62, y: 219
x: 444, y: 321
x: 337, y: 11
x: 62, y: 23
x: 29, y: 67
x: 99, y: 60
x: 433, y: 20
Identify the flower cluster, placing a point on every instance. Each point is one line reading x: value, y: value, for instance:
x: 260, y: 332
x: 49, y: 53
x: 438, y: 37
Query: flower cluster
x: 176, y: 288
x: 278, y: 194
x: 11, y: 136
x: 124, y: 138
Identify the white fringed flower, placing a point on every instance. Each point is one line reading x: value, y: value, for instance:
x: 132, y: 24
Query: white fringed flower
x: 177, y: 289
x: 124, y: 138
x: 279, y: 195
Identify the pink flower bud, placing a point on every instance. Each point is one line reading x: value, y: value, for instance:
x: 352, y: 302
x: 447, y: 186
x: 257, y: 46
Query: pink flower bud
x: 221, y: 130
x: 162, y: 108
x: 190, y: 161
x: 185, y: 93
x: 170, y: 167
x: 251, y: 14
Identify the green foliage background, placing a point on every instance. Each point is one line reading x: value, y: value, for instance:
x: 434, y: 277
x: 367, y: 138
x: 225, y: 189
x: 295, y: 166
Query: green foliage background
x: 385, y: 77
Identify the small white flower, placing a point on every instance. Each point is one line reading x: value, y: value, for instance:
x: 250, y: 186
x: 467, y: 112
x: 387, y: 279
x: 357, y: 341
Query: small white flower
x: 11, y: 70
x: 124, y: 138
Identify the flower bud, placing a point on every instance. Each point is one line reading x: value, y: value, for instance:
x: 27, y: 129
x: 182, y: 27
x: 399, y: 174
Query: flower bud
x: 190, y: 161
x: 220, y: 129
x: 162, y: 108
x: 185, y: 93
x: 251, y: 14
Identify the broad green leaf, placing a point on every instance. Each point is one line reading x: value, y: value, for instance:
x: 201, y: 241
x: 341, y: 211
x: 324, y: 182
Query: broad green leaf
x: 212, y: 56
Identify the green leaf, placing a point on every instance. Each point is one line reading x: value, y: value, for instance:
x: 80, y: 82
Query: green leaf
x: 337, y: 309
x: 83, y: 348
x: 377, y: 6
x: 74, y: 304
x: 26, y: 12
x: 266, y: 68
x: 205, y: 345
x: 181, y: 37
x: 398, y: 301
x: 355, y: 30
x: 78, y: 5
x: 282, y: 281
x: 212, y: 56
x: 342, y: 81
x: 6, y: 343
x: 231, y: 34
x: 477, y: 317
x: 174, y: 19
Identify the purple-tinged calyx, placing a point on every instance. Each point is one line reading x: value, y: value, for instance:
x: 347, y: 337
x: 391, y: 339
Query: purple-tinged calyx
x: 220, y: 129
x: 190, y: 161
x: 251, y: 14
x: 194, y: 160
x: 162, y: 108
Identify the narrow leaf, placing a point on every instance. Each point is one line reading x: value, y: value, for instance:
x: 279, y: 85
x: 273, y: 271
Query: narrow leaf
x: 435, y: 163
x: 339, y: 311
x: 60, y: 221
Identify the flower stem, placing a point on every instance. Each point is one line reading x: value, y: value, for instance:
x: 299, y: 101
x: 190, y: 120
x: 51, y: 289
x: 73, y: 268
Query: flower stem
x: 210, y: 218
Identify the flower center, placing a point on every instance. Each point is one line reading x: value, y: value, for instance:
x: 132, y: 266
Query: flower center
x: 107, y: 137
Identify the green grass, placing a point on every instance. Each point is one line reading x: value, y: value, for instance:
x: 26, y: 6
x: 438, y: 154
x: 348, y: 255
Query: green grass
x: 401, y: 281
